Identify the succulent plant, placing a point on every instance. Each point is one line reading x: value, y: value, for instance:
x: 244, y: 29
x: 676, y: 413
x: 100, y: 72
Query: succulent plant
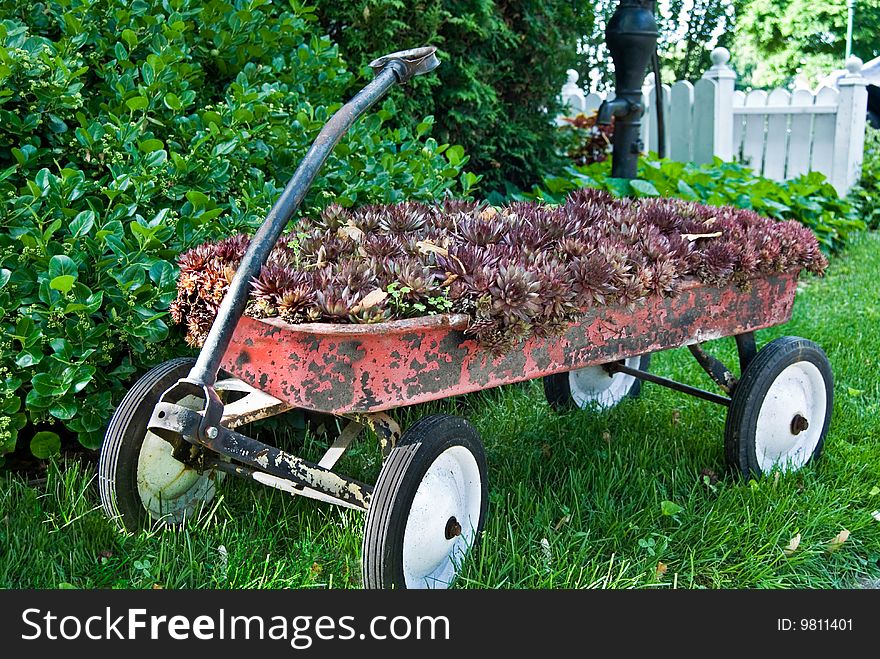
x: 592, y: 279
x: 415, y: 279
x: 333, y: 217
x: 231, y: 249
x: 382, y: 247
x: 355, y: 274
x: 520, y: 270
x: 515, y: 294
x: 368, y: 218
x: 195, y: 259
x: 271, y: 283
x: 716, y: 264
x: 404, y: 218
x: 557, y: 296
x: 335, y: 304
x: 481, y: 230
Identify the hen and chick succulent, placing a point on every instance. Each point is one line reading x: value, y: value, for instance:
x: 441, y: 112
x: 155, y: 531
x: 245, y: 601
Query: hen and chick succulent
x: 518, y: 270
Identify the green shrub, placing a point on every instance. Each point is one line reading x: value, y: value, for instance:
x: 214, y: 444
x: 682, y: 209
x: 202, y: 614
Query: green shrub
x: 130, y: 131
x: 809, y: 199
x: 503, y: 66
x: 866, y: 195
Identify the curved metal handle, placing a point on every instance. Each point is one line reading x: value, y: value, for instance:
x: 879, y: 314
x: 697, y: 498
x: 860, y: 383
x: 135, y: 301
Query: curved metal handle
x: 390, y: 70
x: 407, y: 64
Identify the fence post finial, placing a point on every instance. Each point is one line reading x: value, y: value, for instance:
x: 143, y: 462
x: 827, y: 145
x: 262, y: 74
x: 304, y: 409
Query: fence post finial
x: 853, y: 66
x: 573, y: 98
x: 725, y: 80
x: 849, y: 133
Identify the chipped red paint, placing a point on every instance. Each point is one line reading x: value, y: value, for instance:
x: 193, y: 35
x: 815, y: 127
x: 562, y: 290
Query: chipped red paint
x: 368, y: 368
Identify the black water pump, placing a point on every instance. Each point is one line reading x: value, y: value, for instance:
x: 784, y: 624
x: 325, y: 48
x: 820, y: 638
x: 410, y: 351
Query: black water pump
x: 631, y: 37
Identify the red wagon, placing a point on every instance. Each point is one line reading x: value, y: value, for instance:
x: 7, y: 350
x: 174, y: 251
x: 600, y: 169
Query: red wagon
x: 173, y: 436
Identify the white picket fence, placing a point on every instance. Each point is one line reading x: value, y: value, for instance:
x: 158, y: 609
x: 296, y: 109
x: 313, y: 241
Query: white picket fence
x: 779, y: 134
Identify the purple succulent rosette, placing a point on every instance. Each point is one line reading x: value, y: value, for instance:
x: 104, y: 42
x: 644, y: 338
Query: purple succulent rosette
x: 518, y: 270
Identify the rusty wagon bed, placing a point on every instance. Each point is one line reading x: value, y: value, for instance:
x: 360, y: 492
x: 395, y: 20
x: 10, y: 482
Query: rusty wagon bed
x: 342, y: 369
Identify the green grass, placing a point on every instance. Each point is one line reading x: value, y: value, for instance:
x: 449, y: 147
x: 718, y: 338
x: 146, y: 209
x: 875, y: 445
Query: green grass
x: 575, y: 499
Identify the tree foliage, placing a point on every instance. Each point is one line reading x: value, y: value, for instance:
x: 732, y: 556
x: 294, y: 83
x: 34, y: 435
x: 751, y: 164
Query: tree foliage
x: 778, y: 39
x: 130, y: 131
x: 689, y: 30
x: 503, y: 66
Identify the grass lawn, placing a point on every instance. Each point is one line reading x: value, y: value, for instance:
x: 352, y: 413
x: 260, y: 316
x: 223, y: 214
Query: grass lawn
x: 575, y: 499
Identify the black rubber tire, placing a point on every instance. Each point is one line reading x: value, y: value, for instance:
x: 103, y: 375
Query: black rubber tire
x: 118, y: 463
x: 748, y: 397
x: 557, y: 389
x: 402, y: 472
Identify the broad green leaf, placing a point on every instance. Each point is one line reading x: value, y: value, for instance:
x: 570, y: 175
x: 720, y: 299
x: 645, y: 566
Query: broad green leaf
x: 62, y: 283
x: 137, y: 103
x: 82, y: 223
x: 172, y: 101
x: 45, y: 445
x: 687, y: 192
x: 151, y: 145
x: 130, y: 37
x: 148, y: 74
x: 62, y: 265
x: 163, y: 275
x: 197, y: 199
x: 644, y: 188
x: 63, y: 409
x: 49, y: 386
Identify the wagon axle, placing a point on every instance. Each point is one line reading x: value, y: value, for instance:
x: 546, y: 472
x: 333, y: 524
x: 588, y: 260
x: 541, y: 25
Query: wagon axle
x: 799, y: 424
x: 453, y: 528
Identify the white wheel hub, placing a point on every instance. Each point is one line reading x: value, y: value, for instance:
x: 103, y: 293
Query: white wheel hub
x: 791, y: 417
x: 442, y: 520
x: 595, y: 385
x: 170, y: 490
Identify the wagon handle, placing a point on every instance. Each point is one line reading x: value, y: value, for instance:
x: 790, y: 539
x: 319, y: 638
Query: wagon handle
x: 396, y: 68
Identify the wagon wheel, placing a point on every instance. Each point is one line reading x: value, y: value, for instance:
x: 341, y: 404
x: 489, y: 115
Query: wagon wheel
x: 594, y: 385
x: 428, y: 507
x: 139, y: 478
x: 780, y: 409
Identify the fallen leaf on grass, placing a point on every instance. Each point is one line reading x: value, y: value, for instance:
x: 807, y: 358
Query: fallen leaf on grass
x: 562, y: 522
x: 874, y: 491
x: 670, y: 508
x: 158, y: 586
x: 545, y: 551
x: 606, y: 436
x: 838, y: 541
x: 661, y: 569
x: 676, y: 417
x: 709, y: 477
x: 792, y: 546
